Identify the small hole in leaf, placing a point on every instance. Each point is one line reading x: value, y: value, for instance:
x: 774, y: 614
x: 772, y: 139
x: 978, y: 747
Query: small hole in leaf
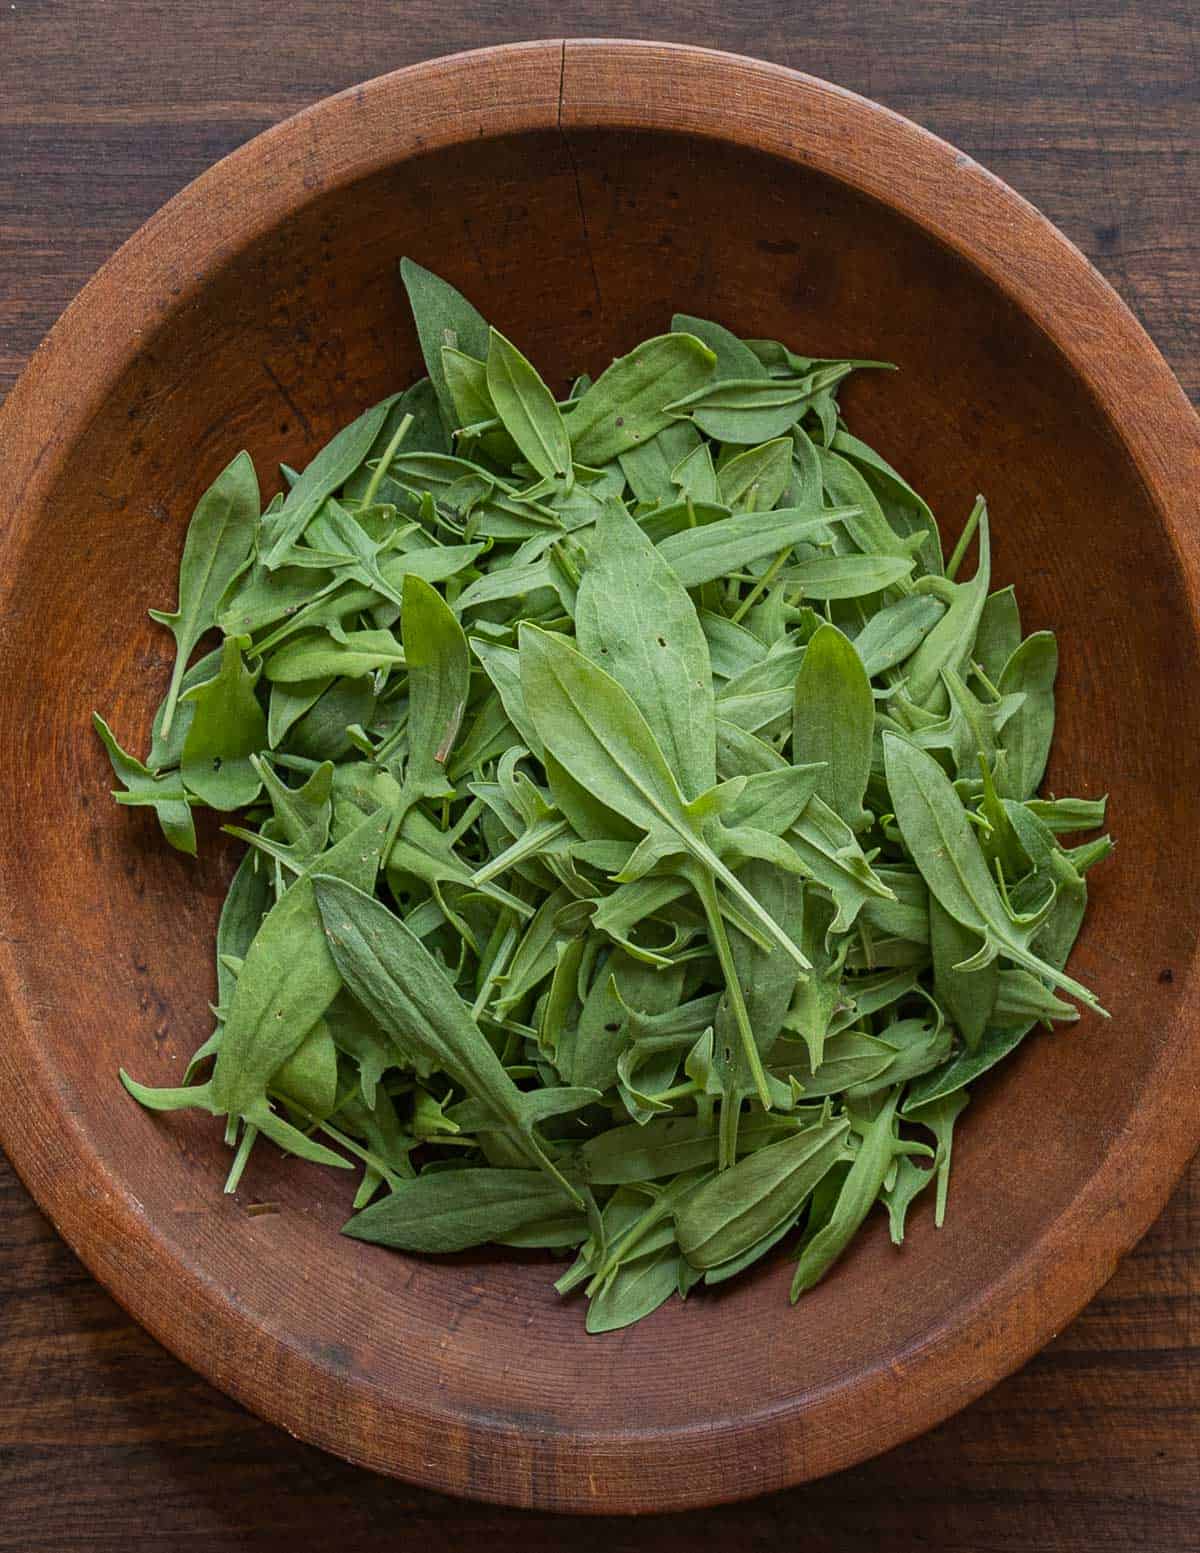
x: 729, y: 1054
x: 612, y: 1028
x: 662, y: 641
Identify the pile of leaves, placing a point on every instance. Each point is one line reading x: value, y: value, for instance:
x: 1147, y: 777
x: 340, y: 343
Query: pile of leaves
x: 643, y: 850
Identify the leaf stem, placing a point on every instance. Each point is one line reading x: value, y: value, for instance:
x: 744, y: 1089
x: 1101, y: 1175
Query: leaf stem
x: 716, y: 927
x: 365, y: 1155
x: 172, y: 697
x: 965, y: 538
x: 763, y: 583
x: 234, y: 1177
x: 381, y: 468
x: 710, y: 861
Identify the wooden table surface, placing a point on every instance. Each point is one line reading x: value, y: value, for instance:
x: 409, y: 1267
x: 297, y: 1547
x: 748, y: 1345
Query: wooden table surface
x: 1089, y: 109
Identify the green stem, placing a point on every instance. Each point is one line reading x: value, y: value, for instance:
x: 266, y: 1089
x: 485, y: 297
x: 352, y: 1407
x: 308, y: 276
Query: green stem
x: 294, y: 762
x: 678, y: 1091
x: 716, y: 928
x: 385, y: 751
x: 568, y: 566
x: 984, y: 680
x: 709, y: 861
x: 466, y: 820
x: 172, y: 700
x: 730, y: 1120
x: 495, y: 970
x: 964, y: 539
x: 381, y: 468
x: 532, y: 1145
x: 351, y: 1147
x: 239, y: 1159
x: 509, y: 1026
x: 619, y: 1252
x: 763, y: 583
x: 536, y: 839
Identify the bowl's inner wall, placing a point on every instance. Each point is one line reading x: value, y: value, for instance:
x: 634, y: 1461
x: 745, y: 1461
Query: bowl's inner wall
x: 576, y: 257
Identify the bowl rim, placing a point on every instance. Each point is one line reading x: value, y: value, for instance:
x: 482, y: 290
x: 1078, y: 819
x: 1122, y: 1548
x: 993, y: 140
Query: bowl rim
x: 575, y: 85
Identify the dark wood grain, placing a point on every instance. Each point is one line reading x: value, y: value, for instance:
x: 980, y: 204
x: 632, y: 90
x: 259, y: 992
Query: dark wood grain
x: 106, y: 111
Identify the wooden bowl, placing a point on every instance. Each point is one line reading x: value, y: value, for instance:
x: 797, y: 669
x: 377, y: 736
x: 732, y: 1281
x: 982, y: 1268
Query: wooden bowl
x: 579, y: 194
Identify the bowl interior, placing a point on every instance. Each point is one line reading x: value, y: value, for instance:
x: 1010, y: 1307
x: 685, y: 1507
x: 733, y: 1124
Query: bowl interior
x: 289, y: 340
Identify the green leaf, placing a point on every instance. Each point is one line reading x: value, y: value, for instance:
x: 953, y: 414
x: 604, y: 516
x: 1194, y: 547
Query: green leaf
x: 288, y: 978
x: 918, y: 1046
x: 880, y: 1145
x: 1028, y: 733
x: 1064, y: 815
x: 439, y: 680
x: 634, y: 618
x: 249, y: 899
x: 503, y: 667
x: 443, y: 318
x: 999, y: 633
x: 649, y: 466
x: 668, y: 1146
x: 968, y: 996
x: 637, y: 1289
x: 848, y: 1058
x: 895, y: 632
x: 701, y: 555
x: 452, y: 1210
x: 767, y: 1189
x: 949, y: 644
x: 399, y: 983
x: 219, y: 542
x: 940, y: 1116
x: 466, y: 382
x: 527, y: 408
x: 943, y: 844
x: 695, y: 475
x: 906, y: 513
x: 847, y: 576
x: 327, y: 473
x: 594, y: 729
x: 165, y: 794
x: 755, y: 479
x: 333, y: 654
x: 734, y: 358
x: 321, y: 733
x: 829, y: 853
x: 289, y: 703
x: 821, y: 995
x: 227, y: 729
x: 752, y: 410
x: 627, y: 404
x: 731, y: 648
x: 308, y: 1077
x: 766, y: 979
x: 301, y: 814
x: 356, y: 1034
x: 834, y: 722
x: 869, y: 528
